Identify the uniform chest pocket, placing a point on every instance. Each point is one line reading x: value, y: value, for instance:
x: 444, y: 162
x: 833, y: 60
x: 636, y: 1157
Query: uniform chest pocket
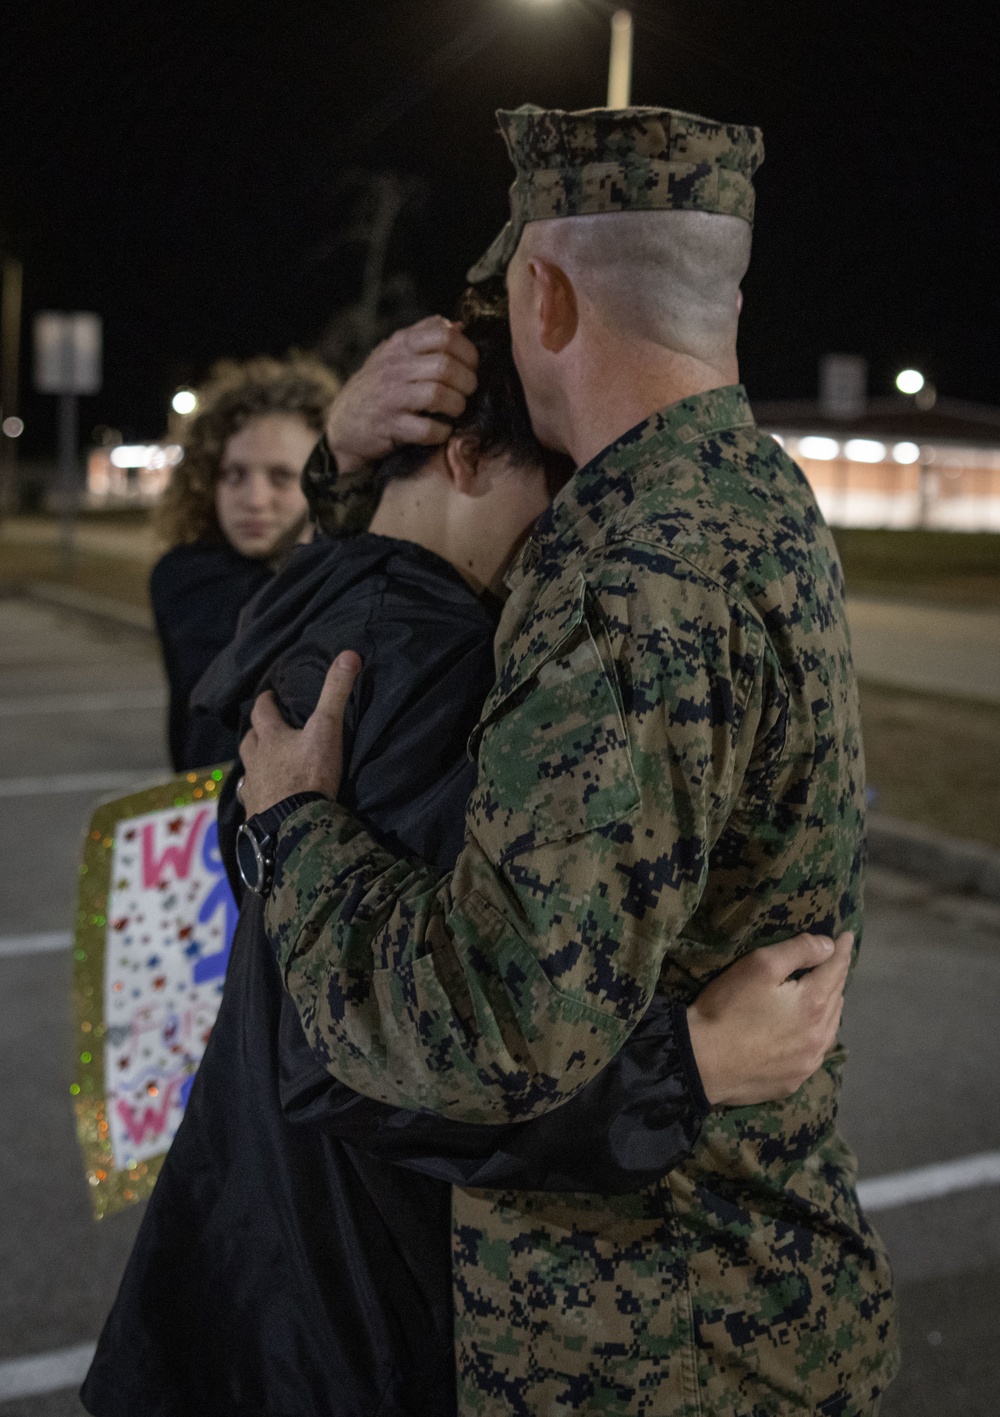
x: 552, y: 745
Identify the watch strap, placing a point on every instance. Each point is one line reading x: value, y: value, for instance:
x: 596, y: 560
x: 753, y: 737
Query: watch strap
x: 265, y: 824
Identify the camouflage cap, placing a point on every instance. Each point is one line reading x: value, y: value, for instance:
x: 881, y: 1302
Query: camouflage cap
x: 620, y: 160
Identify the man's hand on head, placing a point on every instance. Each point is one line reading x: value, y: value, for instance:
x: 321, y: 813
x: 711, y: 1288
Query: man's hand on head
x: 279, y: 761
x: 766, y: 1023
x: 428, y: 368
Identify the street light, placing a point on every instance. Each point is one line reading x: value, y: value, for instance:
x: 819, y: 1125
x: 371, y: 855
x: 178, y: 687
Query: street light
x: 909, y: 381
x: 184, y: 401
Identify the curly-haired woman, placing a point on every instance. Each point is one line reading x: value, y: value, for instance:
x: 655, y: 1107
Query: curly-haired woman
x: 232, y: 513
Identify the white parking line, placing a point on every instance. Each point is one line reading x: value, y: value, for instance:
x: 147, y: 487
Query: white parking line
x: 45, y: 1372
x: 71, y: 782
x: 41, y: 944
x: 927, y: 1183
x: 83, y: 703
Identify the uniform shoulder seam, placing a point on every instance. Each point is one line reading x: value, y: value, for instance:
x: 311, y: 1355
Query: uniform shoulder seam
x: 624, y: 536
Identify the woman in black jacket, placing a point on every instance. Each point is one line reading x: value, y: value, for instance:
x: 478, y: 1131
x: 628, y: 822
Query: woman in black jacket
x: 231, y: 514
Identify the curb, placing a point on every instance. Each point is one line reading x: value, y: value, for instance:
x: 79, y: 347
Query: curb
x: 67, y: 597
x: 941, y: 862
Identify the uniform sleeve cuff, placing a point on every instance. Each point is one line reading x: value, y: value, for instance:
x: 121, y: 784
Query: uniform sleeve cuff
x: 685, y: 1054
x: 267, y: 823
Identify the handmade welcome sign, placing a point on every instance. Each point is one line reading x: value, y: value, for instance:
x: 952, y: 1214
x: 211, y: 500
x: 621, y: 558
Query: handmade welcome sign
x: 155, y: 923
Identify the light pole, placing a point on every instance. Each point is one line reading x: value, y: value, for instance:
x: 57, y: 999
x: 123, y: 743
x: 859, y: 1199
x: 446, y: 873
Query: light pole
x: 924, y: 394
x: 620, y: 66
x: 68, y: 363
x: 10, y: 347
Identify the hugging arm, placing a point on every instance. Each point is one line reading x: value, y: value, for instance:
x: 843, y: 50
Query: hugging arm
x: 427, y: 990
x: 640, y: 1116
x: 628, y: 1127
x: 637, y: 1119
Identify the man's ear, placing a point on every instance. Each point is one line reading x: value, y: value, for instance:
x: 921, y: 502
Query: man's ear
x: 461, y: 455
x: 555, y: 304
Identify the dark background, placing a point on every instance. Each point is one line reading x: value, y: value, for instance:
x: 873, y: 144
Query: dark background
x: 180, y: 168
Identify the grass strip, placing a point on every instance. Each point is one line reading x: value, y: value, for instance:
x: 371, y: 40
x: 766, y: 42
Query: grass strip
x: 934, y: 759
x: 953, y: 567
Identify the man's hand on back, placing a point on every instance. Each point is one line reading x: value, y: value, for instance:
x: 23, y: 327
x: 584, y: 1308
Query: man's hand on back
x: 757, y: 1033
x: 428, y: 368
x: 279, y: 761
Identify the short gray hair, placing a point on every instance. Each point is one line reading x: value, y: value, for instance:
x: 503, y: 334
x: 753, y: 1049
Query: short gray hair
x: 671, y: 277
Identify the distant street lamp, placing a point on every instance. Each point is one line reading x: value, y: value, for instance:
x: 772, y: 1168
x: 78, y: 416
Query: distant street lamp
x: 184, y: 401
x: 909, y: 381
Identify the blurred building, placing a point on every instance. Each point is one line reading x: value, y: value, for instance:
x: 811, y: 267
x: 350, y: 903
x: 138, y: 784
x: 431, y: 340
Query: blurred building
x: 893, y: 464
x: 888, y: 464
x: 130, y: 474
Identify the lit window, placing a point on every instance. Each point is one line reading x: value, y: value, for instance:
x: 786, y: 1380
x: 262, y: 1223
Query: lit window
x: 131, y: 455
x: 821, y: 449
x: 865, y: 450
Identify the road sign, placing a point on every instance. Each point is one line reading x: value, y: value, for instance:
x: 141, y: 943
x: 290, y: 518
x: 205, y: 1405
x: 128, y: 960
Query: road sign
x: 843, y: 385
x: 67, y: 352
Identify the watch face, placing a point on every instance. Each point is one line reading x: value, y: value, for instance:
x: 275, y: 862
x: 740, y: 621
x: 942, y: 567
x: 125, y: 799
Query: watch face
x: 249, y: 858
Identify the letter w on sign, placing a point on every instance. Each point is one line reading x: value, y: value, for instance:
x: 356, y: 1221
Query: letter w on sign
x: 176, y: 856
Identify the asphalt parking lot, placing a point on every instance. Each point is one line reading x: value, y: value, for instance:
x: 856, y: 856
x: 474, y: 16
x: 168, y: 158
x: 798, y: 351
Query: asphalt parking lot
x: 81, y: 713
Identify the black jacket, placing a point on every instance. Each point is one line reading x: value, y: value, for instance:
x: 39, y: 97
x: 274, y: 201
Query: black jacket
x: 283, y: 1266
x: 197, y: 592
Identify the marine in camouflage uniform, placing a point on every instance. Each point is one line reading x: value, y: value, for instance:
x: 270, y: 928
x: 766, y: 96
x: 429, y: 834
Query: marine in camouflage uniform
x: 670, y: 775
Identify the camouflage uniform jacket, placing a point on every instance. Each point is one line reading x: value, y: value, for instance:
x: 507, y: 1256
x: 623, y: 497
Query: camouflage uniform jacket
x: 670, y: 774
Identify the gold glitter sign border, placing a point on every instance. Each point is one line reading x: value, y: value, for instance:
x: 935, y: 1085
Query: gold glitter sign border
x: 112, y: 1188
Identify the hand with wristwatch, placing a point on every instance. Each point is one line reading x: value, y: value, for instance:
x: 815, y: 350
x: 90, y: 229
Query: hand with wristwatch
x: 256, y: 838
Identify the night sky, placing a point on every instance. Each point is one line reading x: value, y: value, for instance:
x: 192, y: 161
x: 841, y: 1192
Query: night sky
x: 187, y: 169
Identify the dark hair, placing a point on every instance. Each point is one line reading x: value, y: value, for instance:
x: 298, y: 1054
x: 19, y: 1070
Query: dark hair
x: 233, y: 394
x: 496, y: 413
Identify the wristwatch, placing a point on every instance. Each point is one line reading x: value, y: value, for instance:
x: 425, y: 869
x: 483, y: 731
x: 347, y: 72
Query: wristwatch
x: 256, y: 838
